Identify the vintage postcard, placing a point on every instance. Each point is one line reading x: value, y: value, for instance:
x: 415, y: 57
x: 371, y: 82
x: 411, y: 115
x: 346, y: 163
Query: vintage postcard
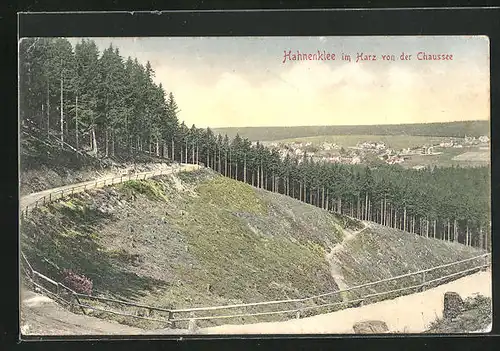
x: 255, y: 185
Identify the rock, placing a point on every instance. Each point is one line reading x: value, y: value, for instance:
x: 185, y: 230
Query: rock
x: 370, y: 327
x: 453, y: 305
x: 192, y: 327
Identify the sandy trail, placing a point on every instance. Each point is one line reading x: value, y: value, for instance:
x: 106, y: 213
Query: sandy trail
x: 405, y: 314
x: 335, y: 270
x: 32, y: 198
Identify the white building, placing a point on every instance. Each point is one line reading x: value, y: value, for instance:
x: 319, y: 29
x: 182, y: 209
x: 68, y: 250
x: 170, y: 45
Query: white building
x: 484, y: 139
x: 356, y: 160
x: 446, y: 144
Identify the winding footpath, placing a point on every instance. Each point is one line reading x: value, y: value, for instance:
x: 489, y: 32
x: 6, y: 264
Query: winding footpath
x: 335, y: 270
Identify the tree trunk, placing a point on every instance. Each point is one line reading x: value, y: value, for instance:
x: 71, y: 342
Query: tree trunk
x: 62, y: 111
x: 48, y: 109
x: 225, y: 165
x: 76, y: 121
x: 245, y: 168
x: 113, y: 144
x: 173, y: 150
x: 106, y: 148
x: 94, y: 141
x: 404, y: 220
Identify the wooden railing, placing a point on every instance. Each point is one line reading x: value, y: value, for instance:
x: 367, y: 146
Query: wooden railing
x: 69, y: 190
x: 74, y: 299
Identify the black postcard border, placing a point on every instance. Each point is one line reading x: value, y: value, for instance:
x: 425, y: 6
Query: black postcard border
x: 423, y: 21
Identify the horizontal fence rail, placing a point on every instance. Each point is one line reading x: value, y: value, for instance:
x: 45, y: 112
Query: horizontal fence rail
x: 173, y: 316
x: 51, y: 196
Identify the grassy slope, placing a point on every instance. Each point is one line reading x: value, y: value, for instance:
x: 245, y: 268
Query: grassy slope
x: 379, y: 253
x: 190, y: 243
x: 200, y: 239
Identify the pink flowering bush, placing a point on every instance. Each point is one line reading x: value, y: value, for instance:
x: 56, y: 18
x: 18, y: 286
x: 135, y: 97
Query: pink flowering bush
x: 76, y: 282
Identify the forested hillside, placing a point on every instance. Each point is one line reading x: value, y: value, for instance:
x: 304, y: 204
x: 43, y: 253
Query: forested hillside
x: 104, y: 104
x: 447, y: 129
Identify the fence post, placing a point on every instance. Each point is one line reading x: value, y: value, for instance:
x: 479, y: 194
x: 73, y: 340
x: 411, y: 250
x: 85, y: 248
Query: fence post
x: 170, y: 317
x: 423, y: 281
x: 62, y: 193
x: 298, y: 314
x: 50, y: 197
x: 79, y: 303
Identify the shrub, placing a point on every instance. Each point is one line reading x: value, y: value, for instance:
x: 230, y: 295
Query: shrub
x: 76, y: 282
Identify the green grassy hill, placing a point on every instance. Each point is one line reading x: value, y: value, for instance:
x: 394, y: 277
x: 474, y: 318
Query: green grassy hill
x: 199, y: 239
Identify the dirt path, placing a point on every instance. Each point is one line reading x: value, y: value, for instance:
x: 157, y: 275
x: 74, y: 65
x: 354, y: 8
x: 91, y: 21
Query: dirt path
x: 335, y: 269
x: 32, y: 198
x: 405, y: 314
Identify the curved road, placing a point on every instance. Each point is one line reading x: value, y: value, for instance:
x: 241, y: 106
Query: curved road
x: 30, y: 199
x: 406, y: 314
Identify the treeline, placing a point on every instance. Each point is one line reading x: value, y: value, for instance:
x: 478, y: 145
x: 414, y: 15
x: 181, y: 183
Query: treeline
x: 93, y: 101
x: 106, y: 104
x: 449, y: 129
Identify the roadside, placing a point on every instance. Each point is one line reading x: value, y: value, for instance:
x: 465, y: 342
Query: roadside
x: 32, y: 198
x: 40, y: 315
x: 406, y: 314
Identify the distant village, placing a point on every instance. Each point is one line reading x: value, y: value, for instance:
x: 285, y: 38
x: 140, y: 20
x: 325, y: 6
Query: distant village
x: 367, y: 151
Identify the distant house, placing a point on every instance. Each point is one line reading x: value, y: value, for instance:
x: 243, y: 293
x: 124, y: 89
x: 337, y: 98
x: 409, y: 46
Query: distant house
x: 327, y: 146
x: 446, y: 144
x: 484, y: 139
x: 380, y: 146
x: 418, y: 167
x: 356, y: 160
x: 458, y: 146
x: 427, y: 150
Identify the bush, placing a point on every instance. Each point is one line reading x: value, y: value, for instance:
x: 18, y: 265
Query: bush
x: 76, y: 282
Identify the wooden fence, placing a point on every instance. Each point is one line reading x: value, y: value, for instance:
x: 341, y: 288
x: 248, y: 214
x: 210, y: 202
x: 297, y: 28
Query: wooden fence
x: 292, y: 307
x: 100, y: 183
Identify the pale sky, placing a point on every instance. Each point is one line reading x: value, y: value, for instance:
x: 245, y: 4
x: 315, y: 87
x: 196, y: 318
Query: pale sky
x: 242, y: 81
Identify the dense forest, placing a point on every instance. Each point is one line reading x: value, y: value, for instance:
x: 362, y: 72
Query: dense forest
x: 104, y: 104
x: 448, y: 129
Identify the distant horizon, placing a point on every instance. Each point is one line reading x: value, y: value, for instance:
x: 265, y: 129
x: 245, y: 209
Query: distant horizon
x: 353, y: 125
